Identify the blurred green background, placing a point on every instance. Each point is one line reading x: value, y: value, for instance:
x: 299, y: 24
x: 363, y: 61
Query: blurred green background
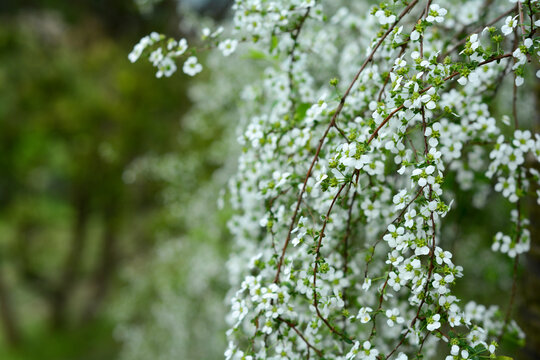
x: 75, y: 116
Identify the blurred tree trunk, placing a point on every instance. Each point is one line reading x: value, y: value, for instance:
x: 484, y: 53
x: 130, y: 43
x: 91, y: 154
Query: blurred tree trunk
x: 106, y: 264
x: 7, y: 314
x: 60, y: 298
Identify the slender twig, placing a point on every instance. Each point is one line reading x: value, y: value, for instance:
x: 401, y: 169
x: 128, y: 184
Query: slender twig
x: 293, y: 326
x: 346, y: 242
x: 318, y: 258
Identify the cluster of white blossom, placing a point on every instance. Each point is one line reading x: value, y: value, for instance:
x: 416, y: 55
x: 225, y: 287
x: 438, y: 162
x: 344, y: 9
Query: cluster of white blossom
x: 349, y: 139
x: 162, y: 52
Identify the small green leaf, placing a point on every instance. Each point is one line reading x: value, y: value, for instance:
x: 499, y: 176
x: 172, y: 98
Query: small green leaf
x: 274, y: 43
x: 301, y: 110
x: 256, y: 55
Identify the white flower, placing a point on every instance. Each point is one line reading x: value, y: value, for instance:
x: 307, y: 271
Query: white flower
x: 368, y: 352
x: 442, y: 256
x: 191, y: 66
x: 393, y: 237
x: 395, y: 281
x: 366, y: 284
x: 156, y: 56
x: 520, y: 57
x: 239, y: 310
x: 166, y: 67
x: 394, y: 258
x: 181, y: 47
x: 142, y: 45
x: 353, y: 352
x: 400, y: 199
x: 363, y: 314
x: 267, y: 327
x: 474, y: 41
x: 409, y: 218
x: 385, y: 17
x: 440, y: 282
x: 454, y: 319
x: 509, y: 24
x: 436, y: 13
x: 317, y: 109
x: 433, y: 322
x: 523, y: 140
x: 393, y: 317
x: 227, y: 47
x: 205, y: 33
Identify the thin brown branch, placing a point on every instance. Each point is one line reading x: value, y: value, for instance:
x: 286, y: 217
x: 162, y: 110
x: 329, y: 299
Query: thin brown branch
x: 295, y: 329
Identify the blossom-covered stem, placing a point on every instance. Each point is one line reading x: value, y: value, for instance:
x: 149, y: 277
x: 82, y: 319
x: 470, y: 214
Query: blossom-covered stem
x: 477, y: 30
x: 295, y: 33
x: 453, y: 75
x: 315, y: 265
x: 426, y: 288
x: 422, y: 106
x: 402, y: 51
x: 322, y: 139
x: 394, y: 221
x: 386, y: 119
x: 346, y: 242
x: 379, y: 306
x: 308, y: 344
x: 299, y: 202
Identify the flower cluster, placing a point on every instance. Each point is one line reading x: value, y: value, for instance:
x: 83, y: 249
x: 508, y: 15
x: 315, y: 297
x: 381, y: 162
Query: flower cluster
x: 355, y: 138
x: 163, y: 52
